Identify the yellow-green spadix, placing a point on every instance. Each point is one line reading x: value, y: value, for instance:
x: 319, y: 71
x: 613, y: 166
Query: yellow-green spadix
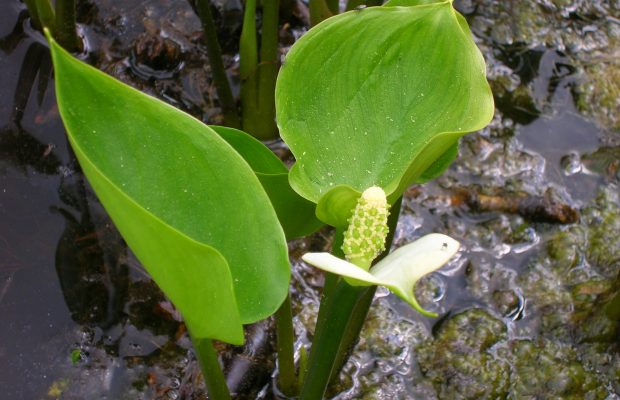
x: 399, y: 271
x: 364, y: 239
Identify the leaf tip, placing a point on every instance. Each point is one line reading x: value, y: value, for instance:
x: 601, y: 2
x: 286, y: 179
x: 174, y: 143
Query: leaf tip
x: 48, y: 34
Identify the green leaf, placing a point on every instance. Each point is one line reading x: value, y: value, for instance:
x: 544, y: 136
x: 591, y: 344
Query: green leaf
x: 187, y: 204
x: 255, y: 153
x: 440, y: 165
x: 336, y: 206
x: 296, y: 214
x: 399, y: 271
x: 386, y: 91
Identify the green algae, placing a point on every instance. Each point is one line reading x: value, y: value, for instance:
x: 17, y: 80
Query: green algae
x: 603, y: 250
x: 584, y: 32
x: 565, y: 249
x: 598, y: 87
x: 471, y: 358
x: 460, y: 362
x: 551, y: 370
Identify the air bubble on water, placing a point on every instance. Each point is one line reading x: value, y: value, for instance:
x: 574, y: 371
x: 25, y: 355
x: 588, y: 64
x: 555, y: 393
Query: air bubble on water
x: 571, y: 164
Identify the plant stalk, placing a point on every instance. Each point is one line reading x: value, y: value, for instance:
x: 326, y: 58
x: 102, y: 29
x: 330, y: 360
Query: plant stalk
x: 214, y: 52
x: 46, y: 16
x: 342, y: 314
x: 286, y: 352
x: 258, y: 77
x: 334, y: 6
x: 248, y: 63
x: 66, y: 33
x: 211, y: 370
x: 31, y: 5
x: 319, y: 10
x: 268, y: 71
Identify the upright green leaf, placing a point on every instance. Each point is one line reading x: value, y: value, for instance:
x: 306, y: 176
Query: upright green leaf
x: 296, y: 214
x: 187, y: 204
x: 376, y: 96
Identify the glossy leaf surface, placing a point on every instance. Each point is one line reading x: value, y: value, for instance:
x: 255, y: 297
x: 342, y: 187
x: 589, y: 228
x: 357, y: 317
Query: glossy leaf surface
x: 296, y: 214
x: 187, y: 204
x: 385, y: 93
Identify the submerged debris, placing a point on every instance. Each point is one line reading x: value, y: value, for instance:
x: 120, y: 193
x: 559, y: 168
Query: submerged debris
x: 544, y: 208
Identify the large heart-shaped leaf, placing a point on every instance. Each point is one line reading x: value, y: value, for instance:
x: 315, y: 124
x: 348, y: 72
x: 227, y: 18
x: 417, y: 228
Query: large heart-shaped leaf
x: 380, y: 96
x: 187, y: 204
x: 296, y: 214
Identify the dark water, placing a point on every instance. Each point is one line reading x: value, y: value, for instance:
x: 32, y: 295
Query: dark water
x: 81, y: 319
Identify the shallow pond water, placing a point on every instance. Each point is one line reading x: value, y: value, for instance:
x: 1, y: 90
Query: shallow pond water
x: 533, y: 198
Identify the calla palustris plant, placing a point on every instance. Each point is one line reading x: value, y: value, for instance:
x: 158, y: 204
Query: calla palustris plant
x: 376, y: 97
x: 379, y: 97
x: 188, y: 205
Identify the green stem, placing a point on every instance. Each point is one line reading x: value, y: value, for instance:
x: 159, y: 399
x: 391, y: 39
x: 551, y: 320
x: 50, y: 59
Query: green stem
x: 65, y: 25
x: 31, y: 5
x: 224, y: 93
x: 319, y: 10
x: 248, y: 64
x: 268, y: 71
x: 259, y: 78
x: 328, y: 338
x: 45, y: 11
x: 331, y: 280
x: 342, y: 314
x: 334, y: 6
x: 303, y: 366
x: 286, y: 353
x: 211, y: 370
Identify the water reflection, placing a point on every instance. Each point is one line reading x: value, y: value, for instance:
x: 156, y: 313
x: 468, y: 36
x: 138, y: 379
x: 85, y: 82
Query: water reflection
x: 93, y: 279
x: 17, y: 146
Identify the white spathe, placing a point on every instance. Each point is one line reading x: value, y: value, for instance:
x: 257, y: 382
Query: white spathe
x: 399, y: 271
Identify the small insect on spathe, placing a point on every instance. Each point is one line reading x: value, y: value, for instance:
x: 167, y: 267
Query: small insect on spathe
x: 444, y: 246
